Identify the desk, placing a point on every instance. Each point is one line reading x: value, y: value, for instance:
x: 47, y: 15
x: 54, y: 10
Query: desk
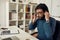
x: 22, y: 35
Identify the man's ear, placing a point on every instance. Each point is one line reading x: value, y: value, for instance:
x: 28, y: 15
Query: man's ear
x: 47, y: 11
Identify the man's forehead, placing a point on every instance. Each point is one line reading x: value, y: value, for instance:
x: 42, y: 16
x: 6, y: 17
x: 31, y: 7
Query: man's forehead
x: 39, y: 10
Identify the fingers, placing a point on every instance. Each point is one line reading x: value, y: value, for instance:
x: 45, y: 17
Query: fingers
x: 36, y: 16
x: 47, y: 15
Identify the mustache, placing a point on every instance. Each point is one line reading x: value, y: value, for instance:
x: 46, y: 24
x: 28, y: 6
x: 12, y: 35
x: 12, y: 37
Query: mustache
x: 42, y: 18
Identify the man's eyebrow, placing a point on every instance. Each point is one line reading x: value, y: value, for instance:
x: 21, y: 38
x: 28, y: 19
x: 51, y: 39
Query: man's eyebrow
x: 38, y: 12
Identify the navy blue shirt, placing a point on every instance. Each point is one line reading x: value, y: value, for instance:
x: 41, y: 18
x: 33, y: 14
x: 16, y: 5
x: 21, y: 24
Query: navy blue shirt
x: 45, y: 29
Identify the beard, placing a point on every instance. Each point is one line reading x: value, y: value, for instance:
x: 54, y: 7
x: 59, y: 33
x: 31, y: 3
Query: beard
x: 41, y: 18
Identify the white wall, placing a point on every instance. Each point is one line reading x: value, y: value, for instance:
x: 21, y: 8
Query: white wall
x: 56, y: 7
x: 3, y: 13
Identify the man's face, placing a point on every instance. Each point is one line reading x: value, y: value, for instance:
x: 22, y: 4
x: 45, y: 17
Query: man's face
x: 39, y: 13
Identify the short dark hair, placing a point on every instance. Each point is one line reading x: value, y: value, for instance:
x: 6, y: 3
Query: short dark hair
x: 42, y: 6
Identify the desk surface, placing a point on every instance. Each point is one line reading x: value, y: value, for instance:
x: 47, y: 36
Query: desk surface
x: 22, y: 35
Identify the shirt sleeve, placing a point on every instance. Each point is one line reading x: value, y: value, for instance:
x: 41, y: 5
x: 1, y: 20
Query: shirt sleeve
x: 32, y: 26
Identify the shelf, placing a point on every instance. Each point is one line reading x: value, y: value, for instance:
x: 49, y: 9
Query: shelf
x: 12, y: 23
x: 33, y: 10
x: 27, y: 8
x: 28, y: 16
x: 27, y: 29
x: 20, y: 8
x: 13, y: 1
x: 27, y: 22
x: 21, y: 12
x: 20, y: 20
x: 16, y: 3
x: 22, y: 28
x: 20, y: 16
x: 27, y: 12
x: 12, y: 16
x: 27, y: 19
x: 12, y: 20
x: 21, y: 3
x: 12, y: 8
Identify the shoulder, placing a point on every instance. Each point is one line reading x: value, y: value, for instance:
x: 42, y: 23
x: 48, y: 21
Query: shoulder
x: 52, y: 20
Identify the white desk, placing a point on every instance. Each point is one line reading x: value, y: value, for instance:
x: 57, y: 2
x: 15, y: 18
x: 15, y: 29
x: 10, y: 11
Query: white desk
x: 22, y: 35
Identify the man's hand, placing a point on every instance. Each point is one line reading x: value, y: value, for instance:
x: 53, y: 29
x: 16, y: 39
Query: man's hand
x: 34, y: 18
x: 47, y: 16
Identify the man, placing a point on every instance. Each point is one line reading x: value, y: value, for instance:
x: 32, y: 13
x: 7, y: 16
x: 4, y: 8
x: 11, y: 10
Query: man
x: 44, y: 23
